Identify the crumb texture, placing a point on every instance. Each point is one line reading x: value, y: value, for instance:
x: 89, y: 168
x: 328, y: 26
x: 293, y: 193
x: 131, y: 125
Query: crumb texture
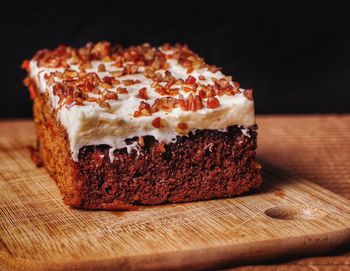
x: 204, y: 165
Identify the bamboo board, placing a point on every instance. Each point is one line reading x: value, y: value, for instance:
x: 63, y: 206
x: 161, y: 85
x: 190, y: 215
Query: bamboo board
x: 286, y: 216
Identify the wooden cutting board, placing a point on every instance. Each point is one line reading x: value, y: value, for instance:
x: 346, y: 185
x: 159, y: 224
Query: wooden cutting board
x: 286, y: 216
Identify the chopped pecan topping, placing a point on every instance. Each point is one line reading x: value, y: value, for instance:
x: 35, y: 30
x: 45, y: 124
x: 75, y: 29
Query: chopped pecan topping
x: 144, y: 110
x: 213, y: 102
x: 160, y: 147
x: 76, y: 84
x: 101, y: 67
x: 130, y: 69
x: 104, y: 104
x: 28, y: 83
x: 190, y: 80
x: 141, y: 141
x: 164, y: 104
x: 156, y: 122
x: 179, y: 82
x: 182, y: 128
x: 130, y: 82
x: 70, y: 74
x: 109, y: 95
x: 142, y: 94
x: 25, y: 65
x: 121, y: 90
x: 108, y: 80
x: 248, y: 93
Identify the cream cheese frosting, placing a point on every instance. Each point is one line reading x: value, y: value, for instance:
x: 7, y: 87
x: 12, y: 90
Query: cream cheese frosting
x: 91, y: 124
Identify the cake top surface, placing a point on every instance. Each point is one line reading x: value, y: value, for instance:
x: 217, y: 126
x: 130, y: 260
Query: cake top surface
x: 103, y: 94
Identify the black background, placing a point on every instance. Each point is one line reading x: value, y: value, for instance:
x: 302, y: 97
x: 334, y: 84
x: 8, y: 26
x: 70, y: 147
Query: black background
x: 295, y: 55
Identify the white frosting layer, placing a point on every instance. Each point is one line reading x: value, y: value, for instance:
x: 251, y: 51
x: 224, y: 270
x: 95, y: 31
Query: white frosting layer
x: 93, y: 125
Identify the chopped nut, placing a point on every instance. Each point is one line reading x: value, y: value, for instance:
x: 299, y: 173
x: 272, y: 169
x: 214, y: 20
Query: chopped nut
x: 190, y: 69
x: 213, y: 102
x: 213, y: 68
x: 198, y: 102
x: 186, y: 89
x: 174, y: 91
x: 166, y: 47
x: 116, y: 73
x: 70, y: 74
x: 101, y: 50
x: 163, y: 123
x: 179, y: 82
x: 248, y: 93
x: 160, y: 147
x: 109, y: 95
x: 182, y: 128
x: 32, y: 91
x: 27, y: 81
x: 141, y: 141
x: 165, y: 104
x: 156, y: 122
x: 142, y: 94
x: 145, y: 112
x: 58, y: 74
x: 91, y: 99
x: 182, y: 125
x: 183, y: 103
x: 161, y: 90
x: 202, y: 94
x: 130, y: 82
x: 25, y: 65
x: 101, y: 67
x: 106, y: 59
x: 130, y: 69
x: 144, y: 109
x: 186, y: 63
x: 222, y: 83
x: 115, y: 82
x: 190, y: 80
x: 191, y: 103
x: 154, y: 84
x: 137, y: 114
x: 121, y: 90
x: 169, y: 84
x: 108, y: 79
x: 57, y: 89
x: 104, y: 104
x: 75, y: 87
x: 106, y: 85
x: 144, y: 105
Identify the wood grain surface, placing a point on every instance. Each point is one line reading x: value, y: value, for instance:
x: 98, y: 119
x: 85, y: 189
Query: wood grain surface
x: 37, y: 231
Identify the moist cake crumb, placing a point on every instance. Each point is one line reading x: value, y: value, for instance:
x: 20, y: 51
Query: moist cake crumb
x: 119, y: 127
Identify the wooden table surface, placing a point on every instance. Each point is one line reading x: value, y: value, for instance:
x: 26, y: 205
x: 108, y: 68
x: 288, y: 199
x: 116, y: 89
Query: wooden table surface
x: 314, y: 146
x: 318, y: 148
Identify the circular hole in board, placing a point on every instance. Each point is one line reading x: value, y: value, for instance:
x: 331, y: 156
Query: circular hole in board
x: 293, y: 212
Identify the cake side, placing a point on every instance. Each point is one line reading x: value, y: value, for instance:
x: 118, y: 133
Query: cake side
x: 205, y: 165
x: 53, y: 150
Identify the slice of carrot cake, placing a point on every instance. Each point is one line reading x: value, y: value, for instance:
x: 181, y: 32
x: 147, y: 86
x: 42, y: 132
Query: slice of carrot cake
x: 143, y: 125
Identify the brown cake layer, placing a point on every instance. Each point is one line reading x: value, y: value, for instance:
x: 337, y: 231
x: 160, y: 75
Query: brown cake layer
x: 206, y: 164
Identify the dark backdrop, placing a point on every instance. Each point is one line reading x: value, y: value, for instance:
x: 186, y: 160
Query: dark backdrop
x: 295, y: 55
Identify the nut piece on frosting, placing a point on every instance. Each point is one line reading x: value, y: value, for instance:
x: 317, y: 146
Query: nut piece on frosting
x: 167, y: 90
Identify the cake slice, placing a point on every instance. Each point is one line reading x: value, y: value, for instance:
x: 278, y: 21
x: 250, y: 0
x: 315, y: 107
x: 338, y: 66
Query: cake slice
x: 118, y: 127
